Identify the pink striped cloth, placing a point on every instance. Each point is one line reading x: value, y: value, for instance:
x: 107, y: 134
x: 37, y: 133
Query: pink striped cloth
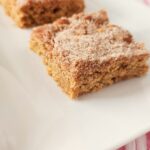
x: 142, y: 143
x: 147, y: 2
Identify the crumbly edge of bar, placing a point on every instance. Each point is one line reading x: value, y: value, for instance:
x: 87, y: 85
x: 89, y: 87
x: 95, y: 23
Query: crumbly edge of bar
x: 109, y: 73
x: 12, y: 11
x: 112, y: 71
x: 98, y: 80
x: 37, y: 13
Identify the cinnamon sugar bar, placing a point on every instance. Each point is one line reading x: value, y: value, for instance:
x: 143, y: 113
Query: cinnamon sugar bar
x: 86, y: 52
x: 28, y: 13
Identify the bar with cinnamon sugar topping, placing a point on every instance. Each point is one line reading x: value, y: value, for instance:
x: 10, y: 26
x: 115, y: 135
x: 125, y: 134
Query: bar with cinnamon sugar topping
x: 86, y: 52
x: 28, y: 13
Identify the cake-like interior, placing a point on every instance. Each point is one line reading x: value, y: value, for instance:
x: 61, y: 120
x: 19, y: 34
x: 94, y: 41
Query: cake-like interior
x: 28, y: 13
x: 85, y: 53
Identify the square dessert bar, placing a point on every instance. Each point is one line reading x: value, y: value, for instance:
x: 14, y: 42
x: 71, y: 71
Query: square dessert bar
x: 28, y: 13
x: 85, y: 53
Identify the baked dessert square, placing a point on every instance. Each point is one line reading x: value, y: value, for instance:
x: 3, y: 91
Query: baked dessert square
x: 28, y: 13
x: 86, y: 52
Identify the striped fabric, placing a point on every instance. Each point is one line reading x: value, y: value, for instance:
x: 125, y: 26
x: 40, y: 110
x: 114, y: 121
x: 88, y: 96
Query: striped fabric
x: 147, y: 2
x: 142, y: 143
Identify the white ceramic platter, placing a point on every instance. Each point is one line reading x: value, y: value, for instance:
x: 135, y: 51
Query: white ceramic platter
x: 36, y: 115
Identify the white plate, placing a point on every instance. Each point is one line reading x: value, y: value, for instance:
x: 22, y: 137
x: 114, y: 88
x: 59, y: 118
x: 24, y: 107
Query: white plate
x: 36, y: 115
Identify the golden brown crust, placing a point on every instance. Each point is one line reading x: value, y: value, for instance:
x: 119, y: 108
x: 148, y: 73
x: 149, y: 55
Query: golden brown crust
x: 28, y: 13
x: 85, y: 53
